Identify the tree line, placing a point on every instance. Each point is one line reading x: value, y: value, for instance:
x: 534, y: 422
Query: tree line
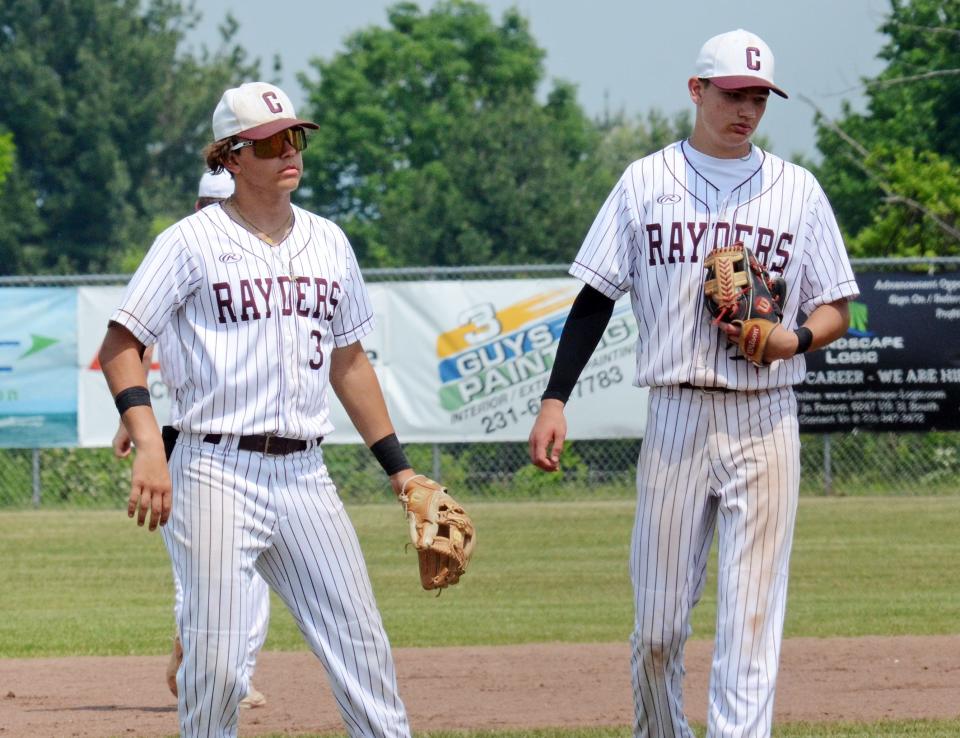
x: 434, y: 146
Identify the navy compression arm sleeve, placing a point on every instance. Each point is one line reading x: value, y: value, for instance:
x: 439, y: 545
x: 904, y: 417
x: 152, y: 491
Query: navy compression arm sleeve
x: 581, y: 334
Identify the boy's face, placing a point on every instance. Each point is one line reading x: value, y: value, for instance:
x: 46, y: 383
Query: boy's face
x: 726, y: 119
x: 281, y: 173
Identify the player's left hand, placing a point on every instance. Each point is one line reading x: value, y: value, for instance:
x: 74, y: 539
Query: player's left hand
x: 397, y: 480
x: 440, y: 530
x: 782, y: 343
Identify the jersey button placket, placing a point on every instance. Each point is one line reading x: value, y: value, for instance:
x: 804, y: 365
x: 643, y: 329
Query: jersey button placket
x: 288, y: 355
x: 298, y: 341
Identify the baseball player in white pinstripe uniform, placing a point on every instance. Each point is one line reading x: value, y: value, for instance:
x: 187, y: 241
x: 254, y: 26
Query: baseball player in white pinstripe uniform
x: 268, y: 307
x: 721, y: 449
x: 213, y: 188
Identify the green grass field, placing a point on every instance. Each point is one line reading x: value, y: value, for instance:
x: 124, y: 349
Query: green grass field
x: 78, y: 583
x: 92, y: 583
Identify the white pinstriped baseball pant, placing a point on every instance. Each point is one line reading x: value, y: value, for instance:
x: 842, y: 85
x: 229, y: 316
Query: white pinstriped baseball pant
x: 259, y: 617
x: 728, y: 462
x: 236, y: 511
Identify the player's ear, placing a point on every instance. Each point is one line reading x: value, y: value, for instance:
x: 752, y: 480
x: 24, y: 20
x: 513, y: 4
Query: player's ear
x: 232, y: 162
x: 695, y: 87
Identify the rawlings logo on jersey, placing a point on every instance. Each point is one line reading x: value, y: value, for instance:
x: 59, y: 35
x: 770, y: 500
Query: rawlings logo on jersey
x: 253, y: 299
x: 669, y: 199
x: 230, y: 258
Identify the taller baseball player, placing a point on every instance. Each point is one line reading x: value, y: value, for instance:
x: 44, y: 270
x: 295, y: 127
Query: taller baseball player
x: 268, y: 307
x: 721, y: 449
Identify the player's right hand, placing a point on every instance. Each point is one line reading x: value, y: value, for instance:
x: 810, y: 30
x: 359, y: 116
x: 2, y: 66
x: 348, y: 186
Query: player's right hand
x: 150, y: 488
x: 121, y: 442
x: 547, y: 436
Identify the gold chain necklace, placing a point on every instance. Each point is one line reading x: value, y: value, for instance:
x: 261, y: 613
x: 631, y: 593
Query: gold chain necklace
x: 283, y: 230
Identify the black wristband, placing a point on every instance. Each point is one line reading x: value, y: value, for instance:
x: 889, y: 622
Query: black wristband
x: 804, y: 339
x: 389, y: 454
x: 131, y: 397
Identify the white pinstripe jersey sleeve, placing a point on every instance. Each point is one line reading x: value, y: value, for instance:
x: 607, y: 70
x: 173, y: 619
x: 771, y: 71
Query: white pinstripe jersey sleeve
x: 605, y: 261
x: 168, y: 275
x: 827, y: 275
x: 650, y: 239
x: 354, y: 316
x: 254, y: 325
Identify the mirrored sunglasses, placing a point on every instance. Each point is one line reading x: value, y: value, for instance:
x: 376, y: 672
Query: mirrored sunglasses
x: 272, y: 147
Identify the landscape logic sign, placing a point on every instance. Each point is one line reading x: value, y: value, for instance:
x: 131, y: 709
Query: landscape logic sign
x: 898, y: 367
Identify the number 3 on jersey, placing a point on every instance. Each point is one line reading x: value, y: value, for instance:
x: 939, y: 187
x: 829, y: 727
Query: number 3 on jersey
x: 315, y: 338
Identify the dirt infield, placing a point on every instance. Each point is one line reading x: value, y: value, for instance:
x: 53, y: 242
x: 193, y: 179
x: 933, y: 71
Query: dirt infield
x: 544, y: 685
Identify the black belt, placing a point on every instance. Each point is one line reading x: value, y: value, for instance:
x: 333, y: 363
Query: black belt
x: 687, y: 385
x: 269, y: 445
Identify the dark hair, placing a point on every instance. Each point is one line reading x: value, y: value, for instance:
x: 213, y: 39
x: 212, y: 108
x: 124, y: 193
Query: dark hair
x: 217, y: 153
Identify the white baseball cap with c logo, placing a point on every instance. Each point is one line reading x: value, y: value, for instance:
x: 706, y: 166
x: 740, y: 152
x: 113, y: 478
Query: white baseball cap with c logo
x: 737, y: 59
x: 254, y: 110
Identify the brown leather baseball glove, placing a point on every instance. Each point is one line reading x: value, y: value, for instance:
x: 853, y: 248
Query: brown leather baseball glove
x: 740, y: 291
x: 440, y: 529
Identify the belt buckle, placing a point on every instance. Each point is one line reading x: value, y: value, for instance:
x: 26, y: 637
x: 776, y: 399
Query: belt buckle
x: 266, y: 446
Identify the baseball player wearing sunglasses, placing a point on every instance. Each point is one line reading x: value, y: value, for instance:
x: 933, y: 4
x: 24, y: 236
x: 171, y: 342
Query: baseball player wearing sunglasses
x: 268, y: 308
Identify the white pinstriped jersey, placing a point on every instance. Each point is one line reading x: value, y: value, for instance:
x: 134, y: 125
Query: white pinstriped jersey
x: 660, y: 221
x: 255, y: 324
x: 168, y: 354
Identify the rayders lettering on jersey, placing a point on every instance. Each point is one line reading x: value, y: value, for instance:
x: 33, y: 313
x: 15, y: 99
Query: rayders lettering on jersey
x: 685, y: 243
x: 254, y: 298
x: 687, y: 216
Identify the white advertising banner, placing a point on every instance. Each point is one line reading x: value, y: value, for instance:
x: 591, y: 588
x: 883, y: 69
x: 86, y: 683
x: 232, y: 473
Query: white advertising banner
x: 458, y: 361
x: 97, y: 418
x: 468, y: 361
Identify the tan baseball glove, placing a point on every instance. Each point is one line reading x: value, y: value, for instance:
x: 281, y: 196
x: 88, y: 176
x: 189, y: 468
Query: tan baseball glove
x: 740, y: 291
x: 440, y: 529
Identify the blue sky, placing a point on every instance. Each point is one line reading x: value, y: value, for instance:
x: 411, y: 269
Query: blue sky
x: 631, y: 55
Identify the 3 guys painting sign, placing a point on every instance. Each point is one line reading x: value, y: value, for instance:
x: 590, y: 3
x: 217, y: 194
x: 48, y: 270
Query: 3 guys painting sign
x: 458, y: 361
x: 469, y: 361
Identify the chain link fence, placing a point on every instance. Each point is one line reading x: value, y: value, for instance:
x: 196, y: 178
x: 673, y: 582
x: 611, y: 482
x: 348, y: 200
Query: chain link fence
x: 856, y: 463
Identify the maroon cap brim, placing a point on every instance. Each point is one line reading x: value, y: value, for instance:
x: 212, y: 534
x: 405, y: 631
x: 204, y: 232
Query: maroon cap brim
x: 738, y: 83
x: 266, y: 130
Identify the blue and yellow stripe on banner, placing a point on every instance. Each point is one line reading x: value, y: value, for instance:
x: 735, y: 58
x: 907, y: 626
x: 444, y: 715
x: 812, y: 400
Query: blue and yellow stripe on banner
x: 510, y: 319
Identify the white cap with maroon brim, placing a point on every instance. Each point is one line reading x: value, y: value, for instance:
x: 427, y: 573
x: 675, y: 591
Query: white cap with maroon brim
x: 254, y: 110
x: 737, y: 59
